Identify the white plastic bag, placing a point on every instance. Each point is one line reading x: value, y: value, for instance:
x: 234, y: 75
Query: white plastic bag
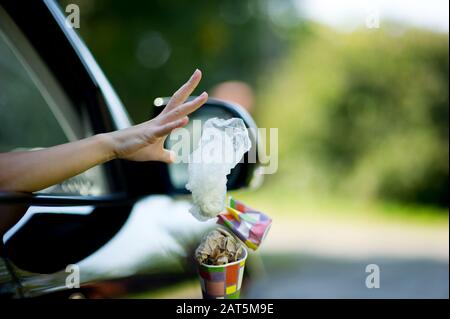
x: 222, y: 145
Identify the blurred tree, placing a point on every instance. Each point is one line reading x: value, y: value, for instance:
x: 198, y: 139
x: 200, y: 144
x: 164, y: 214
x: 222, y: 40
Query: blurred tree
x: 149, y: 48
x: 365, y: 113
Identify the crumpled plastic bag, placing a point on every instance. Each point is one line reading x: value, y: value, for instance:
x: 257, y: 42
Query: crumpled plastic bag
x: 218, y: 248
x: 221, y: 147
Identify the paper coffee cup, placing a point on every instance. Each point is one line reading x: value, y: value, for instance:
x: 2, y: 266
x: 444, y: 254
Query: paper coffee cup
x: 222, y: 281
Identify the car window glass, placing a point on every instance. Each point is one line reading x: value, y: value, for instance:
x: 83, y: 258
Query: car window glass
x: 26, y: 119
x: 35, y: 113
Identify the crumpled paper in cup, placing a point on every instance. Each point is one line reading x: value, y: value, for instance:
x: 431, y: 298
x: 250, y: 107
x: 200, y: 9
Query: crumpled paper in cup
x: 218, y: 248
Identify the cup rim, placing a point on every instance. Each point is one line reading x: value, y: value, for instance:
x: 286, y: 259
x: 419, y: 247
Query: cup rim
x: 229, y: 264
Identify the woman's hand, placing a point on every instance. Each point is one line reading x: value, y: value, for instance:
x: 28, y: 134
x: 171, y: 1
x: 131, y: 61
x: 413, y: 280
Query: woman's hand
x: 30, y: 171
x: 145, y: 141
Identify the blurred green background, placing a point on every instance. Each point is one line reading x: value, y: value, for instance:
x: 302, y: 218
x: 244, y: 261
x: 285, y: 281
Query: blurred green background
x: 363, y: 120
x: 362, y: 115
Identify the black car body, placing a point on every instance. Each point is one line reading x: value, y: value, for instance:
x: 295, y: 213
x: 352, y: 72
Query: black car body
x: 122, y: 223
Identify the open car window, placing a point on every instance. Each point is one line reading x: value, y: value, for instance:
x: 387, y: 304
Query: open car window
x: 35, y: 112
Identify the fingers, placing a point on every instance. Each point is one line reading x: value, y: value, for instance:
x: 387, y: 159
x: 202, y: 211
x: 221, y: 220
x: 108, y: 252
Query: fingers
x: 166, y: 128
x: 183, y: 93
x: 186, y: 108
x: 167, y: 156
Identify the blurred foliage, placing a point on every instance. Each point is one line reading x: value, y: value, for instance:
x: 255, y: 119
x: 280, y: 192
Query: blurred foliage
x: 149, y: 48
x: 364, y: 113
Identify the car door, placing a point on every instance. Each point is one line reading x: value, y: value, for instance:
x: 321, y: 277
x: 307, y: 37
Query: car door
x: 45, y: 231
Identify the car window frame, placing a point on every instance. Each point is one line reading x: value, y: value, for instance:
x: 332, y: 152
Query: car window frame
x: 53, y: 94
x: 60, y: 107
x: 88, y: 90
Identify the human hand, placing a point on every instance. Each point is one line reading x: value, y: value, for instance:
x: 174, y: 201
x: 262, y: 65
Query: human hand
x: 145, y: 141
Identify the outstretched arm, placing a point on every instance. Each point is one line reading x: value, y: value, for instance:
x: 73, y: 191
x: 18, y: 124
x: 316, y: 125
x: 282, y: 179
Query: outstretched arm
x: 35, y: 170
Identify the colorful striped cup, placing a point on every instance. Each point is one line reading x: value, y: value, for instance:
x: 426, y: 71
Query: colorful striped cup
x: 224, y: 281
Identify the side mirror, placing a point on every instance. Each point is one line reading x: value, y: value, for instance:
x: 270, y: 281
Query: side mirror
x: 244, y: 172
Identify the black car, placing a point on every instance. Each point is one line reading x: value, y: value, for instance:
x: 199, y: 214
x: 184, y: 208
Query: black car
x: 124, y: 225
